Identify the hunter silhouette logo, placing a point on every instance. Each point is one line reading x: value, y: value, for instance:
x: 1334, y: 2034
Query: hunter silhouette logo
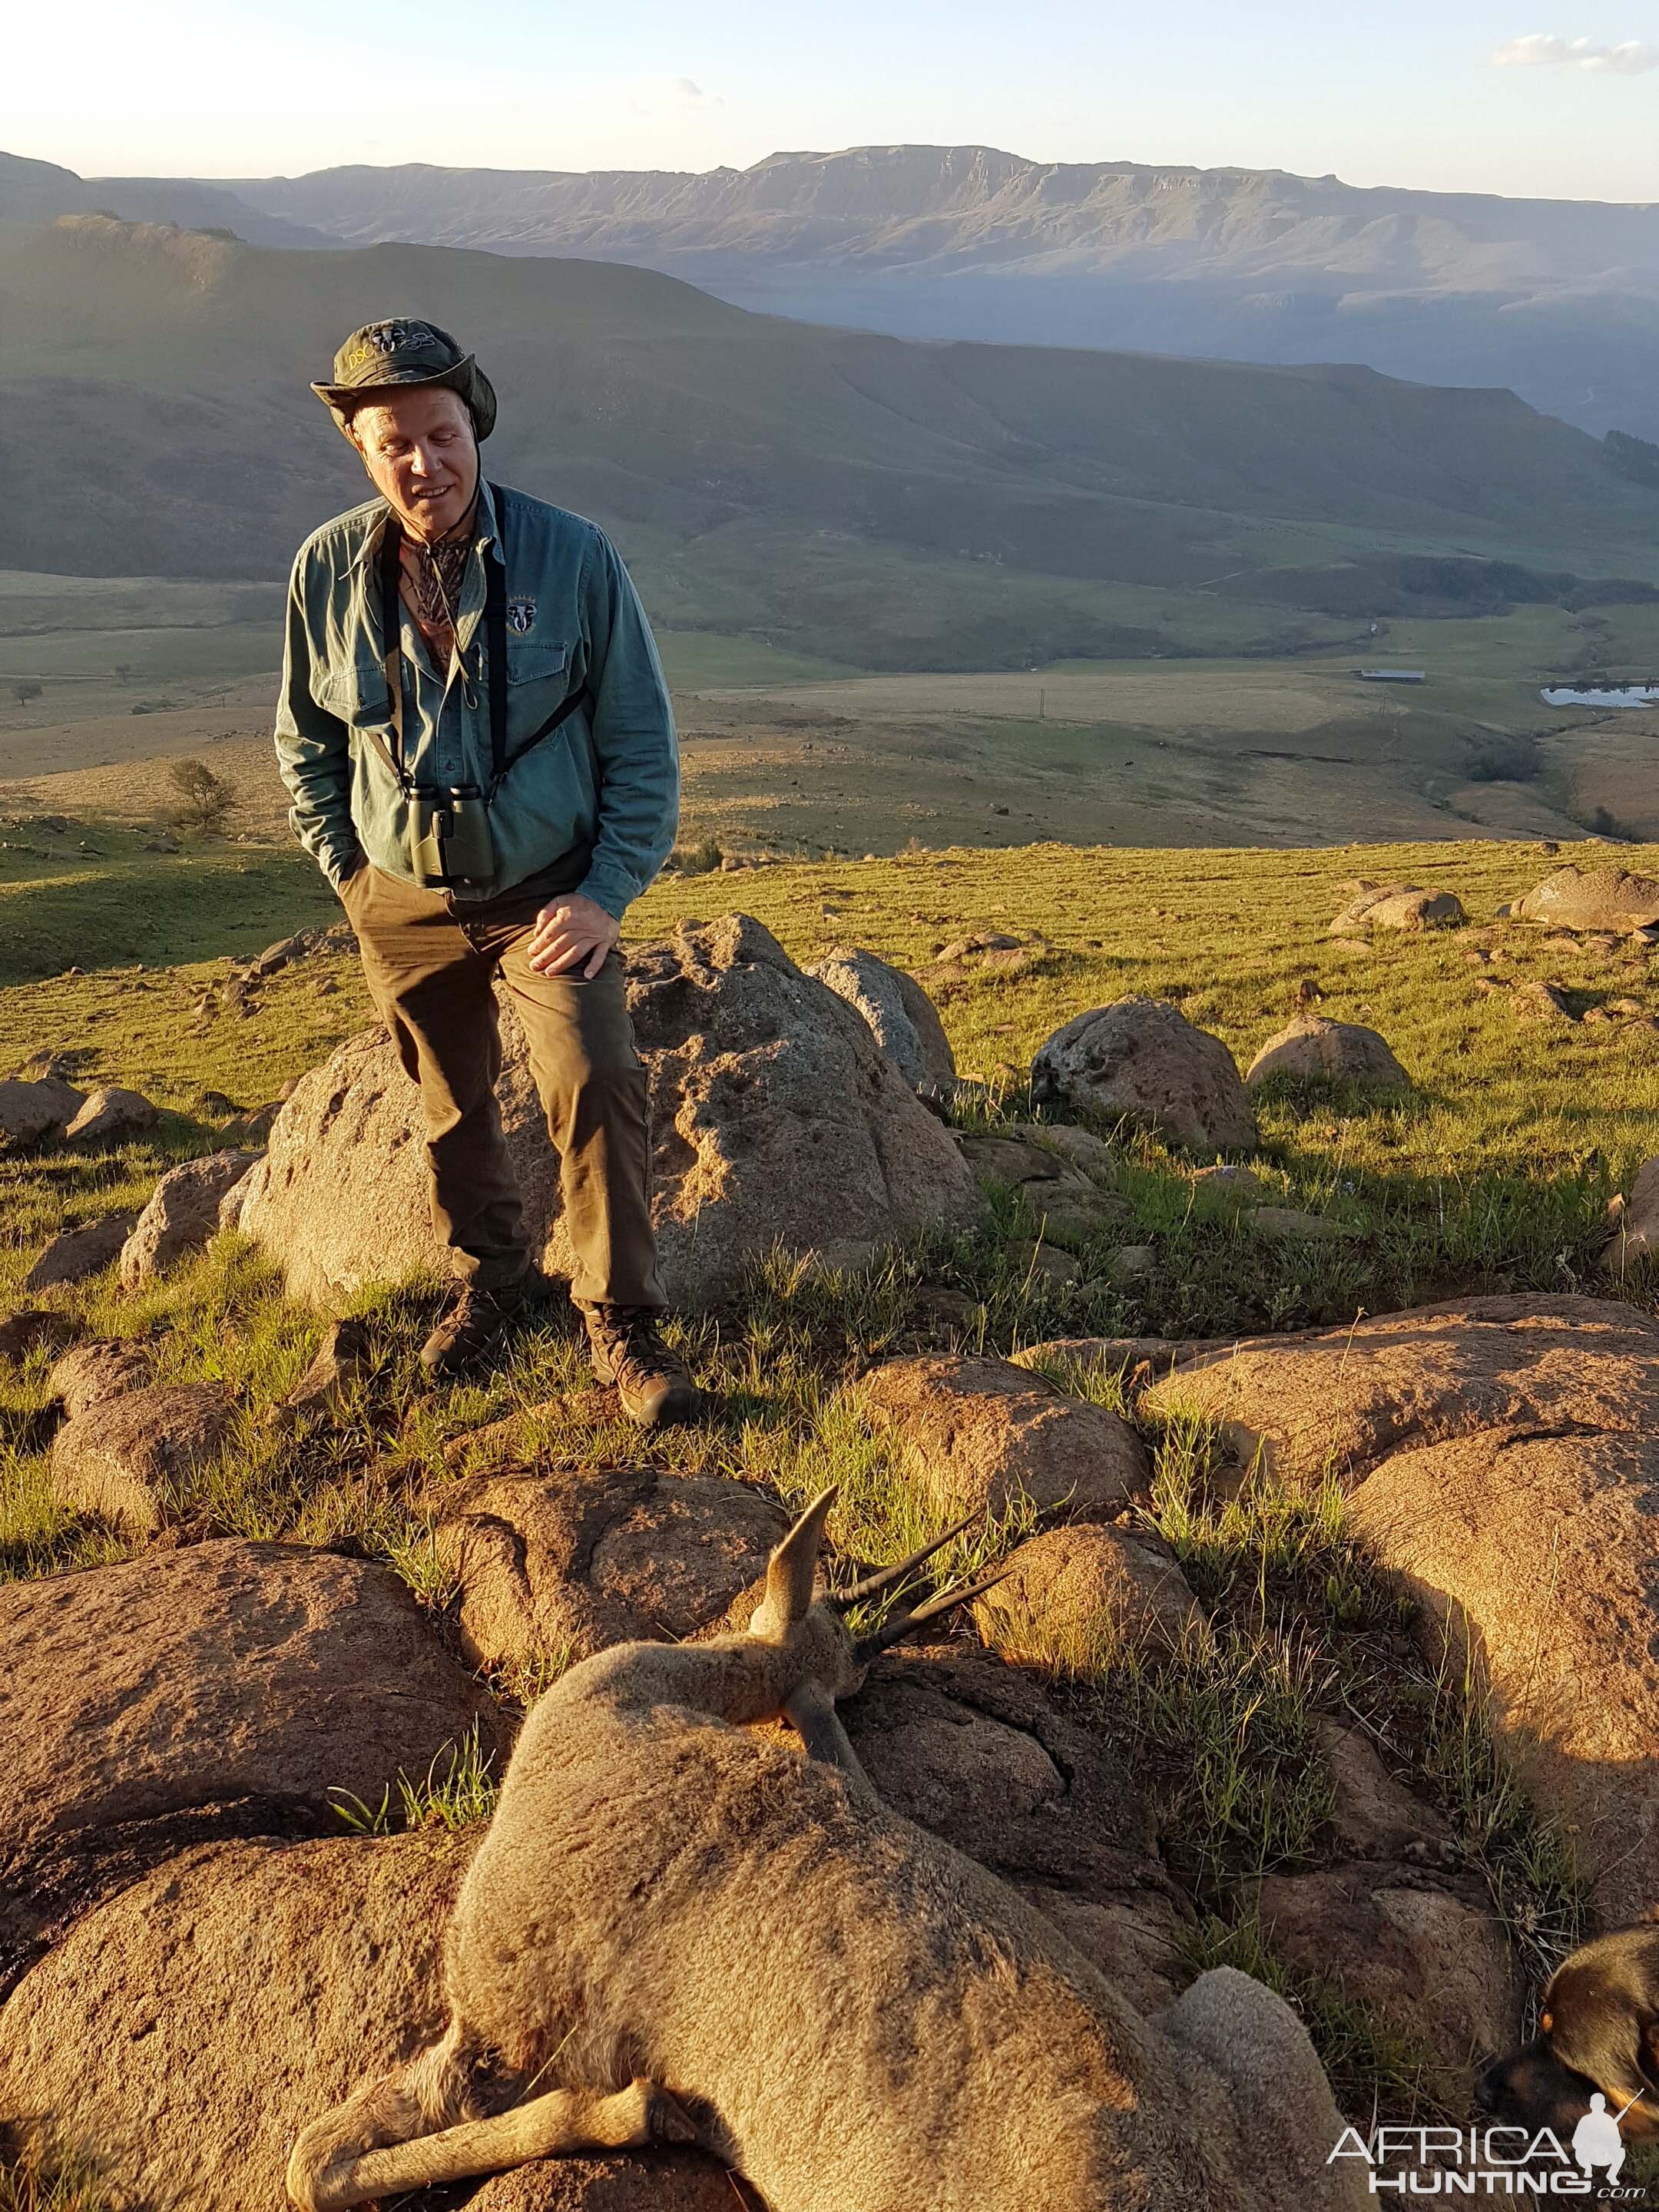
x: 1596, y: 2140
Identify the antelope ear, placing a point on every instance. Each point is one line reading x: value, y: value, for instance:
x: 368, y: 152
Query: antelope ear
x: 790, y: 1573
x: 1647, y: 2049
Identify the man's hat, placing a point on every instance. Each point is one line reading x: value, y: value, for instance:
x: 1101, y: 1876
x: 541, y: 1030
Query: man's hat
x: 404, y: 351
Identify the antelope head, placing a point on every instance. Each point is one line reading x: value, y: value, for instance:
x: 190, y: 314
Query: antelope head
x: 809, y: 1623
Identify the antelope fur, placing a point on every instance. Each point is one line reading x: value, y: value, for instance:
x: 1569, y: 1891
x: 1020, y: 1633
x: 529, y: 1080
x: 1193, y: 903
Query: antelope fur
x: 677, y: 1929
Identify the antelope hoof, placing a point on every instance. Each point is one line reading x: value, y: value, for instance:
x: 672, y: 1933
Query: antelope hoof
x: 663, y: 2119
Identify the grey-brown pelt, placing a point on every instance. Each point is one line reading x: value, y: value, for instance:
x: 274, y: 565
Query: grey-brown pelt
x: 677, y: 1928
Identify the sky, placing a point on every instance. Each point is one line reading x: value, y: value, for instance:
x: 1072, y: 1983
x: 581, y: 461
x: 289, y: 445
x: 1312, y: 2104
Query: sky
x: 1443, y: 94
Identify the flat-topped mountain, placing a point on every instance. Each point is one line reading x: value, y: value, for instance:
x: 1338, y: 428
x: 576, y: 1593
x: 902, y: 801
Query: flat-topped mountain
x: 937, y: 209
x: 1558, y: 298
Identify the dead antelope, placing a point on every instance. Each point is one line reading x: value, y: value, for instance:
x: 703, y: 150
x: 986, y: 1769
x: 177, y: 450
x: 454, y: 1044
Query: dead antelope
x: 676, y: 1929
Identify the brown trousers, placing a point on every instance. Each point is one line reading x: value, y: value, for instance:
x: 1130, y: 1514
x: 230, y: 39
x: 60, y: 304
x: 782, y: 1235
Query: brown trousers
x: 431, y: 961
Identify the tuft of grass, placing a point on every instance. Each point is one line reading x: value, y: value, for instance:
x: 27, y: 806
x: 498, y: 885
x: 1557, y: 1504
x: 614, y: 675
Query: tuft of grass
x: 1226, y: 1718
x: 525, y: 1682
x: 67, y: 2183
x: 1538, y: 1888
x: 457, y: 1791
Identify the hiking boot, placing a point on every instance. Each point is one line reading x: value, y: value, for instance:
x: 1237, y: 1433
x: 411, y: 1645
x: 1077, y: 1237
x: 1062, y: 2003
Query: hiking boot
x: 627, y: 1348
x: 474, y: 1322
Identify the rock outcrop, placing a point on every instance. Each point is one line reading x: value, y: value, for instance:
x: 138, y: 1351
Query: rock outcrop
x: 1397, y: 906
x: 1502, y: 1459
x: 1428, y: 1958
x: 180, y: 2036
x: 903, y: 1019
x: 1073, y: 1597
x: 1536, y: 1000
x: 80, y: 1254
x: 777, y: 1121
x: 1595, y: 899
x: 1344, y: 1400
x: 1344, y: 1052
x: 1537, y: 1556
x: 554, y: 1567
x: 108, y: 1367
x: 224, y: 1671
x: 1142, y: 1058
x: 1055, y: 1179
x: 122, y: 1456
x: 182, y: 1214
x: 36, y: 1112
x: 111, y: 1116
x: 977, y: 1434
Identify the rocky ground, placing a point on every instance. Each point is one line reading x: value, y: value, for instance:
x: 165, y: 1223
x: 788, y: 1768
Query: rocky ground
x: 1324, y: 1647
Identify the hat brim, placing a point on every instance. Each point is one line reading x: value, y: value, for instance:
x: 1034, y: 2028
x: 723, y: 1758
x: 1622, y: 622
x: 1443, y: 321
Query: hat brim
x: 466, y: 377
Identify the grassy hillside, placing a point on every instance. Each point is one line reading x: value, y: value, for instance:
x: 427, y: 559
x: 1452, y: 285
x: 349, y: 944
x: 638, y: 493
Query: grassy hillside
x: 1508, y: 1116
x: 1493, y: 1172
x: 876, y: 502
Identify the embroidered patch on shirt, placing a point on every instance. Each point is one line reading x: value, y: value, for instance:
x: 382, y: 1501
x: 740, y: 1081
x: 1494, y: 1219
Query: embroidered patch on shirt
x: 520, y: 616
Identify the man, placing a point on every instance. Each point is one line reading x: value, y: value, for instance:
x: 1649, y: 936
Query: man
x: 476, y: 736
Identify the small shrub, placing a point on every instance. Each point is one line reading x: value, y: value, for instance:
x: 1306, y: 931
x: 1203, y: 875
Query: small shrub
x: 1506, y: 759
x: 702, y: 859
x: 205, y: 800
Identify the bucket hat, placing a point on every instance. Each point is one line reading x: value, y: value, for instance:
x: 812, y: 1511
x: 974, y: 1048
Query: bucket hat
x: 404, y: 350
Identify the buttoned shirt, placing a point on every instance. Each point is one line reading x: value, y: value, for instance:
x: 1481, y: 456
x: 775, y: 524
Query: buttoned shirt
x: 601, y: 794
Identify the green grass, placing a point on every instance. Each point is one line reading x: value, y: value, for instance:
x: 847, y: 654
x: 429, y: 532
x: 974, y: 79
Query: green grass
x: 1493, y: 1172
x: 72, y: 2187
x: 458, y: 1789
x: 120, y: 904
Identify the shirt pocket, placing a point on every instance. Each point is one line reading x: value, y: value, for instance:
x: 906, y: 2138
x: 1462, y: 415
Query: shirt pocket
x: 538, y: 678
x: 354, y: 692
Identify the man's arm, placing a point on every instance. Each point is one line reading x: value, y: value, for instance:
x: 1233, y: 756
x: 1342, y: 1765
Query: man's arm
x: 633, y: 726
x: 313, y: 755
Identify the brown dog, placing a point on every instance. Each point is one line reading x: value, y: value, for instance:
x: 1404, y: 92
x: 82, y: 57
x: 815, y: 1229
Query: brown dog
x: 1599, y: 2029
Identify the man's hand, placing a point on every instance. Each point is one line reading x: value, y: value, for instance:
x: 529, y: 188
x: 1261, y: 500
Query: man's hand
x: 570, y: 932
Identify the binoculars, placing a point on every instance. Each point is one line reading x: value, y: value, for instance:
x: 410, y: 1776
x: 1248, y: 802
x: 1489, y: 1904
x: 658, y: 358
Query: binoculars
x: 450, y: 839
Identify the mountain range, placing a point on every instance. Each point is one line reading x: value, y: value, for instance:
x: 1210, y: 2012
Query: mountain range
x: 868, y: 499
x: 1557, y: 300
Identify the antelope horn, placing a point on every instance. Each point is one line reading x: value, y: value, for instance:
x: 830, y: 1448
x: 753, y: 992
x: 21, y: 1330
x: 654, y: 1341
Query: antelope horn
x: 890, y: 1632
x: 886, y: 1578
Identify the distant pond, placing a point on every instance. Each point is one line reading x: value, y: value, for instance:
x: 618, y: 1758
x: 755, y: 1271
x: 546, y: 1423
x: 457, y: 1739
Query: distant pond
x: 1628, y: 694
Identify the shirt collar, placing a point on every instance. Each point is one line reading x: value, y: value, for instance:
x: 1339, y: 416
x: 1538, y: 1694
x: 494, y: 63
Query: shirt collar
x: 487, y: 529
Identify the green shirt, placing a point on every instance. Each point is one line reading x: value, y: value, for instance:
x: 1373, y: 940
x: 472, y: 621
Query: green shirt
x: 602, y: 792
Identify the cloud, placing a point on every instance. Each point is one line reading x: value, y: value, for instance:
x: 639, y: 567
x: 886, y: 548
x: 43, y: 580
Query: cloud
x: 664, y: 95
x: 1543, y: 49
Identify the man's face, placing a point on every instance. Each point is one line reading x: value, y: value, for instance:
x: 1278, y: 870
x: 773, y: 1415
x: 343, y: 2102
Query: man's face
x: 418, y: 447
